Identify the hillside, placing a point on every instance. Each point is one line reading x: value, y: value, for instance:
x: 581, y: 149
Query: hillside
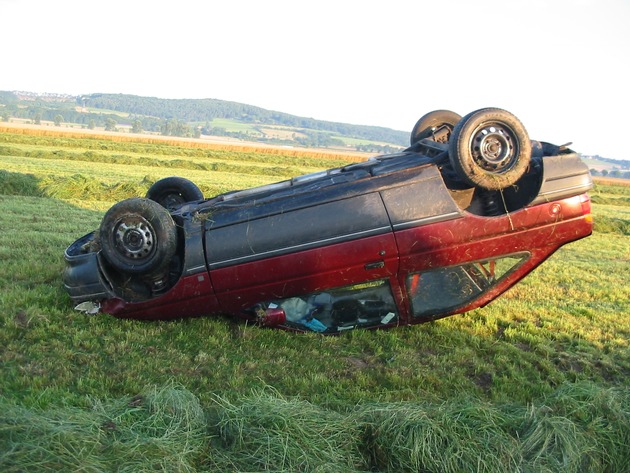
x: 195, y: 117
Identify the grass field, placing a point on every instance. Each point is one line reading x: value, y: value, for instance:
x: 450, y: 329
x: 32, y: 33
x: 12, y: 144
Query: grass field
x: 535, y: 382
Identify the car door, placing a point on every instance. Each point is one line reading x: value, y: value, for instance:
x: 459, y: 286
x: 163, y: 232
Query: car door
x: 301, y: 251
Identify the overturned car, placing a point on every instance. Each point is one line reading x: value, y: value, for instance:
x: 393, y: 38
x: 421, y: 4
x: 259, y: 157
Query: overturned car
x: 443, y: 227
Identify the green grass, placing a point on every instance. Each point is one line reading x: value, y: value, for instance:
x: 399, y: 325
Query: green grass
x: 536, y: 381
x: 108, y: 112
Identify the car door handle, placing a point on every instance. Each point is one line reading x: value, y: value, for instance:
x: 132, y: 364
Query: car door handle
x: 375, y: 265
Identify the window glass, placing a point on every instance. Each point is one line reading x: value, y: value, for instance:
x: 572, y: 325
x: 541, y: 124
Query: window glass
x: 443, y: 289
x: 367, y: 304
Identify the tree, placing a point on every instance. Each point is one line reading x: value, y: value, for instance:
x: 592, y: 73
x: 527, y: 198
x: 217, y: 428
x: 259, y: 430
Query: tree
x: 110, y: 124
x: 136, y: 126
x: 91, y: 124
x: 183, y: 129
x: 58, y: 119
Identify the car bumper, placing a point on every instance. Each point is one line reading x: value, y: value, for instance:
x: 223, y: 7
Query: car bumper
x: 82, y: 276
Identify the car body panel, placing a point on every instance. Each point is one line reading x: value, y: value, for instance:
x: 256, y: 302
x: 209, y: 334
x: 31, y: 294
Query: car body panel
x: 307, y: 271
x: 193, y: 295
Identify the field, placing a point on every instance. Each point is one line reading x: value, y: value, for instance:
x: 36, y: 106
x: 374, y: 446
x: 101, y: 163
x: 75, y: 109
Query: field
x: 535, y: 382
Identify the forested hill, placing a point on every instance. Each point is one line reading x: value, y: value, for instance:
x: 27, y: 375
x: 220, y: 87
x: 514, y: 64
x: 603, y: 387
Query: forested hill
x: 205, y: 110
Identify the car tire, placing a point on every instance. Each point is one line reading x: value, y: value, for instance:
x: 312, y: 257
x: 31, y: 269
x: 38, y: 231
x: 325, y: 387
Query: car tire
x: 138, y: 236
x: 490, y: 148
x: 173, y: 192
x: 427, y: 124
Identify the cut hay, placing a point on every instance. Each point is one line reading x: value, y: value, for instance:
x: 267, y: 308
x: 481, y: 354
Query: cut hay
x: 81, y: 187
x: 160, y: 430
x: 266, y: 432
x: 578, y: 428
x: 453, y: 437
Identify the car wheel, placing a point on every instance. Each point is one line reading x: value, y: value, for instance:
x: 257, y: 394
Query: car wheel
x: 490, y: 148
x: 138, y: 236
x: 437, y: 125
x: 173, y: 192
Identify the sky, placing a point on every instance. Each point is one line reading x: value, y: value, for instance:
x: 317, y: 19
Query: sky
x: 561, y: 66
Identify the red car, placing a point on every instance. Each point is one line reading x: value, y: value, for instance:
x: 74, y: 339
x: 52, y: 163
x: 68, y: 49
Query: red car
x: 443, y: 227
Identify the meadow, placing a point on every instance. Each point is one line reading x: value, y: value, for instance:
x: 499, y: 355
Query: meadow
x: 535, y: 382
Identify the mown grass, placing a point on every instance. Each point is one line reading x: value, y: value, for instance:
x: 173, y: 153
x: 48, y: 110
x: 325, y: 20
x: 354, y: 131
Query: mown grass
x: 97, y: 169
x: 578, y: 428
x: 536, y: 381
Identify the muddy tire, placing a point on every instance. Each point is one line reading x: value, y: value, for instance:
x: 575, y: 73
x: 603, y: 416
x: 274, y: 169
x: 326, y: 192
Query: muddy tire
x: 138, y: 236
x: 490, y: 148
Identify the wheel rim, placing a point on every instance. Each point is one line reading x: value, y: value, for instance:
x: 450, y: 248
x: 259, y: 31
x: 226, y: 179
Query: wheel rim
x: 494, y: 148
x: 135, y: 238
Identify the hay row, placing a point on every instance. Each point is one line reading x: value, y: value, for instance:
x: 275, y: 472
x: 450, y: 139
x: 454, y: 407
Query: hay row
x: 580, y: 427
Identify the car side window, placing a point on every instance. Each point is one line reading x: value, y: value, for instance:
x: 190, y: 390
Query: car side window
x: 368, y: 304
x: 444, y: 289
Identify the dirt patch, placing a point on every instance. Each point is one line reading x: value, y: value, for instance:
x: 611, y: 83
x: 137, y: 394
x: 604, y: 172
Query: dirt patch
x: 357, y: 363
x: 21, y: 320
x: 484, y: 381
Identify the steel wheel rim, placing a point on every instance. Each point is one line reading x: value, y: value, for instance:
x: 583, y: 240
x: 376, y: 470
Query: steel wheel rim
x: 494, y: 148
x: 135, y: 238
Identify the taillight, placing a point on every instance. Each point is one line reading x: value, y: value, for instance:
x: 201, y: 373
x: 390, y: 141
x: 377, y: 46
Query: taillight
x: 585, y: 201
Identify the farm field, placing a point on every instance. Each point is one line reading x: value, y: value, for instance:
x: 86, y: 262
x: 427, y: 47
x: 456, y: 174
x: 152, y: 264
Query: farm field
x: 535, y: 382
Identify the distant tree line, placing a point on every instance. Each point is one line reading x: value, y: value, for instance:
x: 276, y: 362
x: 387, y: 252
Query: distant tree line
x: 614, y: 173
x: 205, y: 110
x: 58, y: 113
